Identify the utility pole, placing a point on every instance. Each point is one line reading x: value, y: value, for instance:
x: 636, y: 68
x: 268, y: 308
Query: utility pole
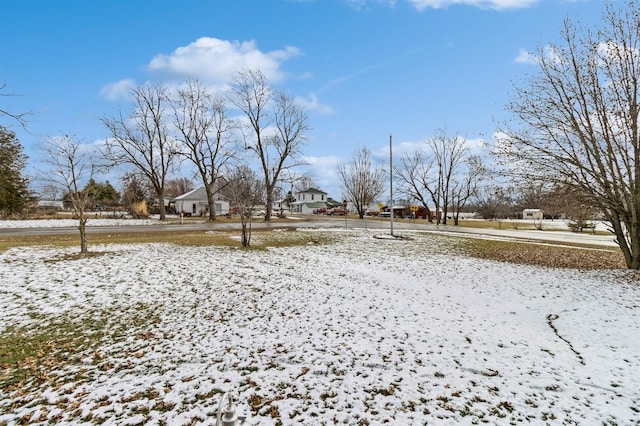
x: 391, y: 180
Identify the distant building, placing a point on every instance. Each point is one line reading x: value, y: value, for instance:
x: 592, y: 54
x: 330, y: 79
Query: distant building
x: 51, y: 204
x: 309, y: 200
x: 533, y: 214
x: 195, y: 203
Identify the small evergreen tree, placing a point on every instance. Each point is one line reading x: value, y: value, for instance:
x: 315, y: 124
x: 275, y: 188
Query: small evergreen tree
x: 14, y: 192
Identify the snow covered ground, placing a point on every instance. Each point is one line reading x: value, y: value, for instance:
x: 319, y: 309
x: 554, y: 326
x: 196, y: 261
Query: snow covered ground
x: 346, y: 329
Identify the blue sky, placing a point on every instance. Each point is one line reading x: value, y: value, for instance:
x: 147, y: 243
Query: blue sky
x: 365, y: 69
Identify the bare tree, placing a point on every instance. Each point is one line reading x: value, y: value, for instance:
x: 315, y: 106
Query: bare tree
x: 49, y: 192
x: 19, y: 117
x: 415, y: 173
x: 244, y: 191
x: 361, y: 181
x: 443, y: 171
x: 578, y: 120
x: 302, y: 182
x: 448, y: 155
x: 495, y: 202
x: 465, y: 185
x: 142, y: 139
x: 178, y: 186
x: 206, y: 134
x: 70, y: 165
x: 135, y: 192
x: 277, y: 126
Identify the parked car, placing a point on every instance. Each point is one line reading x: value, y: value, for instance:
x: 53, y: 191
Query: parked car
x: 321, y: 210
x: 337, y: 212
x: 388, y: 214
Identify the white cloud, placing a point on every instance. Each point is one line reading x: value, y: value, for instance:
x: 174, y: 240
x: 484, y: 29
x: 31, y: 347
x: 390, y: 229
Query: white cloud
x: 421, y: 5
x: 118, y: 90
x: 362, y: 4
x: 525, y: 57
x: 216, y: 61
x: 311, y: 103
x: 551, y: 55
x: 323, y: 171
x: 477, y: 146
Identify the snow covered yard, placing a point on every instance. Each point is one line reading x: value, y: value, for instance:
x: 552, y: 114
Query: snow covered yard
x: 347, y: 329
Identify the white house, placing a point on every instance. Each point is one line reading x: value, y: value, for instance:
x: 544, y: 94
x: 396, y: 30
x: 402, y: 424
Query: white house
x: 309, y: 200
x: 195, y: 203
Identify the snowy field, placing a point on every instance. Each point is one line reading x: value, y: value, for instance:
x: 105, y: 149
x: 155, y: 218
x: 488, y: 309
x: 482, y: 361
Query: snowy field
x: 346, y: 329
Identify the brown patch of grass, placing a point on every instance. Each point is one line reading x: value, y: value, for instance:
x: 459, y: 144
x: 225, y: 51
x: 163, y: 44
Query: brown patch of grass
x: 261, y: 238
x: 544, y: 254
x: 29, y: 354
x: 76, y: 256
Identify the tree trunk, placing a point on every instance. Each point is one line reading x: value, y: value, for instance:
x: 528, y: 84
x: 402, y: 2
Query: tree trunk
x: 82, y: 227
x: 246, y: 229
x: 163, y: 210
x: 212, y: 204
x: 630, y: 247
x: 269, y: 207
x: 634, y: 261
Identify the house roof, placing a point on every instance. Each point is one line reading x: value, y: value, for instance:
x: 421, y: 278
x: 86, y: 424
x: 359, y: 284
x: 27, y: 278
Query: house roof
x: 51, y: 203
x: 196, y: 195
x: 315, y: 205
x: 311, y: 191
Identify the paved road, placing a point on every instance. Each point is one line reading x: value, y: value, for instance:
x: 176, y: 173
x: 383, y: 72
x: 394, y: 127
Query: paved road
x: 558, y: 237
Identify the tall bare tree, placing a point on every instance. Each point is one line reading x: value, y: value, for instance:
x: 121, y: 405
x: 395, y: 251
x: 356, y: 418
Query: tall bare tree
x: 206, y: 132
x: 362, y: 182
x: 465, y: 184
x: 415, y: 176
x: 495, y: 202
x: 135, y: 191
x: 244, y: 191
x: 303, y: 182
x: 141, y: 139
x: 277, y: 127
x: 70, y: 165
x: 442, y: 171
x: 448, y: 155
x: 19, y: 117
x: 178, y: 186
x: 577, y: 120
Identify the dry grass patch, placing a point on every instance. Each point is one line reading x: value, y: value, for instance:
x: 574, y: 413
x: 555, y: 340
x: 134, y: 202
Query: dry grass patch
x: 261, y: 238
x: 548, y: 255
x: 30, y: 356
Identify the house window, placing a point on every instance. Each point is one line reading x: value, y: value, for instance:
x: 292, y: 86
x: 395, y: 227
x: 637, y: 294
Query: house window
x: 193, y: 208
x: 312, y: 197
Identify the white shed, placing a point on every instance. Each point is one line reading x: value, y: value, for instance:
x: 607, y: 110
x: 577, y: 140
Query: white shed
x: 533, y: 214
